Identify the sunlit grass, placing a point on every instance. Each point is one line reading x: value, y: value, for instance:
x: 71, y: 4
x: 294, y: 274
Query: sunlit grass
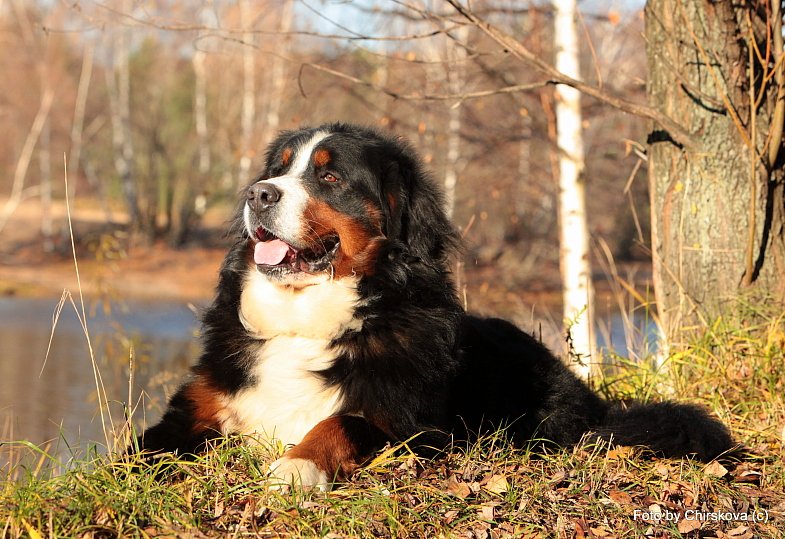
x: 486, y: 489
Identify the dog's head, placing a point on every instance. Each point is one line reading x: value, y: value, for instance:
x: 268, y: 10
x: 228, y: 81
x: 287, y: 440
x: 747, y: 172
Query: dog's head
x: 336, y: 200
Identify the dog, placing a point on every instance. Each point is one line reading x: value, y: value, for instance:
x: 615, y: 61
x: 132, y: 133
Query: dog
x: 336, y: 328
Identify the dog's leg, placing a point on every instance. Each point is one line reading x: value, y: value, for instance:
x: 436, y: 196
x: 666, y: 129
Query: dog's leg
x: 332, y: 450
x: 191, y: 418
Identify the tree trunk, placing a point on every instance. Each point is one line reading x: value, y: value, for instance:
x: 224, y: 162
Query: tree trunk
x: 455, y: 69
x: 248, y: 112
x: 77, y: 126
x: 717, y: 209
x: 574, y: 231
x: 120, y: 105
x: 278, y: 73
x: 200, y: 111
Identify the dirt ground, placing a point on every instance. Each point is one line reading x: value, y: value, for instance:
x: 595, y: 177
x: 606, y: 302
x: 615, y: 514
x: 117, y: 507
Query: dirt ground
x: 107, y: 264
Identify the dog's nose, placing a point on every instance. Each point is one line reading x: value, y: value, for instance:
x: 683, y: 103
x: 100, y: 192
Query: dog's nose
x: 263, y: 195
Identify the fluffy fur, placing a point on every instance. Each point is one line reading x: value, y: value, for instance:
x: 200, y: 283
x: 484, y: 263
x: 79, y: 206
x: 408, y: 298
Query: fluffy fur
x: 336, y: 328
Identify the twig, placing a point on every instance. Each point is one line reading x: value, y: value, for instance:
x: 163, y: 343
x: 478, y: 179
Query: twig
x: 421, y: 97
x: 677, y: 132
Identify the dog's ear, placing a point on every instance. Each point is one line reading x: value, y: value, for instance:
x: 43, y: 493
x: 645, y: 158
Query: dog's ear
x: 415, y: 211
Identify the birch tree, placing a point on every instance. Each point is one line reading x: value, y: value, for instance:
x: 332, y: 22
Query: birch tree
x: 277, y: 77
x: 119, y: 85
x: 573, y: 228
x: 455, y: 69
x: 248, y: 111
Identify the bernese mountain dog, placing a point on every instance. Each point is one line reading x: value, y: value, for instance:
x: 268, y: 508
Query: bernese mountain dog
x: 336, y: 328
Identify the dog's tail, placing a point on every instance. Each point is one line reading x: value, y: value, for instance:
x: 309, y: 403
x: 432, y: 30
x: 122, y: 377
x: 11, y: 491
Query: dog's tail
x: 669, y: 429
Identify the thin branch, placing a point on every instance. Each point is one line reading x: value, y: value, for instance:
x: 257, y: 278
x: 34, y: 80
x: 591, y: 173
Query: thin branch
x: 420, y: 97
x: 17, y: 188
x: 677, y: 132
x: 129, y: 19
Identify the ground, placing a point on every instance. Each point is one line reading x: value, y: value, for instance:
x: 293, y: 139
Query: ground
x: 106, y: 261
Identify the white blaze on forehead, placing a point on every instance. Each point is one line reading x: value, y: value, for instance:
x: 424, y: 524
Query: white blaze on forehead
x: 294, y: 197
x: 303, y: 154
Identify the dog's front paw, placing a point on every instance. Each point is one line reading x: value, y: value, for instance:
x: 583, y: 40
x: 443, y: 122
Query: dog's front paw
x: 287, y: 472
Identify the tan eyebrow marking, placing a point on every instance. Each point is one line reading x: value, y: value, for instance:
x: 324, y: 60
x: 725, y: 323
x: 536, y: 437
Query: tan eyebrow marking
x: 321, y: 157
x: 286, y: 156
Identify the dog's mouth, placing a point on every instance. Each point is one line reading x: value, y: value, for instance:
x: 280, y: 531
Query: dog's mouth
x: 271, y: 252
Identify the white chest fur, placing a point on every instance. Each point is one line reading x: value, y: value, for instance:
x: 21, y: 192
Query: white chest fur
x: 323, y: 310
x: 297, y: 325
x: 288, y: 399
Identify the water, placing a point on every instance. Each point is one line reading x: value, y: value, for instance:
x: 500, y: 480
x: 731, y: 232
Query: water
x: 54, y: 399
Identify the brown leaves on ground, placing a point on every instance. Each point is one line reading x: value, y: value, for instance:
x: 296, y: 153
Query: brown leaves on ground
x: 501, y: 493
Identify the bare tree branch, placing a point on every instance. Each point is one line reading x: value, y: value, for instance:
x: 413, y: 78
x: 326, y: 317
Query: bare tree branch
x: 676, y: 131
x: 420, y: 97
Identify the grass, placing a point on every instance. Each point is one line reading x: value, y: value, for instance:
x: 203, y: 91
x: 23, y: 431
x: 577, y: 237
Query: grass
x: 486, y: 490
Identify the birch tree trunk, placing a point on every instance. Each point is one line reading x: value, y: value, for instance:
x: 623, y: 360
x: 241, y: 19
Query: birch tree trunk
x: 455, y: 73
x: 574, y: 233
x: 119, y: 83
x: 200, y: 111
x: 278, y: 74
x: 248, y: 112
x: 77, y: 125
x: 45, y: 168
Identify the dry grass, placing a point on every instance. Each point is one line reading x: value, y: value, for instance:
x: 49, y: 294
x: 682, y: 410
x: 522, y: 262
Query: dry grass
x: 486, y: 490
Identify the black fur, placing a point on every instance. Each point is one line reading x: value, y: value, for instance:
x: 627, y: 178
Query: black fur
x: 420, y: 364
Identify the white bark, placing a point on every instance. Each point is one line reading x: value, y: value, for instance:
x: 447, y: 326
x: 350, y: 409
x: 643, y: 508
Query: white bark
x: 77, y: 126
x: 278, y: 73
x: 45, y: 167
x: 248, y: 112
x: 119, y: 84
x: 574, y: 233
x: 456, y: 78
x: 200, y: 111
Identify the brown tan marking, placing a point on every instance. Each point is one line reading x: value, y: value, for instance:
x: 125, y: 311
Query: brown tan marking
x: 321, y: 157
x: 286, y: 156
x: 207, y: 404
x: 359, y: 244
x: 338, y: 445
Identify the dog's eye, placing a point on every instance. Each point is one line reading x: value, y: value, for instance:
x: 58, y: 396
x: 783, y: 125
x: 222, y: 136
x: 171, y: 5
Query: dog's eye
x: 331, y: 178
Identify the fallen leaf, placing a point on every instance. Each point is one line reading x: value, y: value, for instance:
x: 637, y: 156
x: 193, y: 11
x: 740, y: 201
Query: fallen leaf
x: 740, y: 532
x: 687, y: 526
x: 219, y: 507
x: 558, y: 477
x: 600, y: 531
x: 456, y: 487
x: 619, y: 452
x: 715, y: 469
x: 497, y: 484
x: 486, y: 512
x: 620, y: 497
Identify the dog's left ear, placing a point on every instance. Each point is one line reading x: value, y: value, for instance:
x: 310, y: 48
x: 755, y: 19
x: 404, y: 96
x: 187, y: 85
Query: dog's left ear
x: 415, y: 211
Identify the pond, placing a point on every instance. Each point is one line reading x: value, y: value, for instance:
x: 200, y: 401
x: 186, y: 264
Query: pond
x: 54, y: 399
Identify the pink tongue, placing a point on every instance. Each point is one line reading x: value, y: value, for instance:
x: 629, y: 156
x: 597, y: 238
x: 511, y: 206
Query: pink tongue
x: 270, y: 253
